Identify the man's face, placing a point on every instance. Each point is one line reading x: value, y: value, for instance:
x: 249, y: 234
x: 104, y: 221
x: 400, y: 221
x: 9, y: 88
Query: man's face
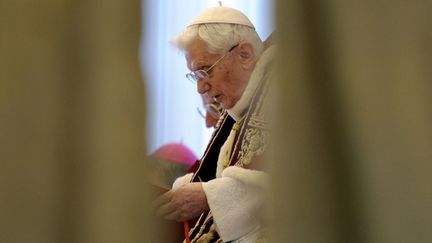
x: 228, y: 78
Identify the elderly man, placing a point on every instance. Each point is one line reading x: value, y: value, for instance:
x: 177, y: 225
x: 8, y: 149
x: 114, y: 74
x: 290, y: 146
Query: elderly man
x: 224, y: 196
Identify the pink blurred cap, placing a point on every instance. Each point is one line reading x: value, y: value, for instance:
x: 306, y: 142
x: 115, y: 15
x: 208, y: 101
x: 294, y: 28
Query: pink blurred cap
x: 176, y: 152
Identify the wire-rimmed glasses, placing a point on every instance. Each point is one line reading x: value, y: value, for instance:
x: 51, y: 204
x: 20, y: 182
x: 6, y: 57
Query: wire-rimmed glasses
x: 195, y: 76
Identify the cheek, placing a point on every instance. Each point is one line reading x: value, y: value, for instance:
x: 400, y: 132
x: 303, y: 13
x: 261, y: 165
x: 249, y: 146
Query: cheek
x: 226, y: 84
x: 228, y: 78
x: 225, y: 70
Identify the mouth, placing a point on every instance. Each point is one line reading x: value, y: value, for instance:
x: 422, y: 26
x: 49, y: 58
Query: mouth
x: 217, y: 98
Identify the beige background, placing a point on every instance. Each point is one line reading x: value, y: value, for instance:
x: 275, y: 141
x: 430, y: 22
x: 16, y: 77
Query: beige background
x: 355, y: 151
x: 71, y: 122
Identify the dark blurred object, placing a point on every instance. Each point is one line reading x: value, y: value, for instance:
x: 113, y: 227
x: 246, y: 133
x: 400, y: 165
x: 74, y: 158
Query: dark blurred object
x: 72, y: 123
x: 170, y: 231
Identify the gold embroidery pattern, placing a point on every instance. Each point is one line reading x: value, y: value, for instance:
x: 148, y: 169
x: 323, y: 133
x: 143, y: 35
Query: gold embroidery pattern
x: 254, y: 143
x: 261, y: 124
x: 219, y: 122
x: 256, y: 136
x: 207, y: 237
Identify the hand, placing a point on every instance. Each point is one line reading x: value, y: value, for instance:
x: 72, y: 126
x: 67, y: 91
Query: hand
x: 182, y: 204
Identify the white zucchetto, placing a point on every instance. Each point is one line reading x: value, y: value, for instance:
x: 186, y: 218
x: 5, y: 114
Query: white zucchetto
x: 223, y: 15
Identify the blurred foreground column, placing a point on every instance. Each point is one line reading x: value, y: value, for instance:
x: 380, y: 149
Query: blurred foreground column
x: 71, y: 122
x: 354, y: 155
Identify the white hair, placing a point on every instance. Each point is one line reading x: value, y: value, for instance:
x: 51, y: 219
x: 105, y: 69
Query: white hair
x: 219, y: 37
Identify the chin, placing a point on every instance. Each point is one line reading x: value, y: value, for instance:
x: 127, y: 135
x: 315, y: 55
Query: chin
x: 228, y: 103
x: 227, y: 106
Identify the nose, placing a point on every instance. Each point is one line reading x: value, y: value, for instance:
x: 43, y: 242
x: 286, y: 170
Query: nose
x: 203, y: 86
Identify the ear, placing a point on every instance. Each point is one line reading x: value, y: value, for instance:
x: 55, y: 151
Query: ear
x: 246, y: 55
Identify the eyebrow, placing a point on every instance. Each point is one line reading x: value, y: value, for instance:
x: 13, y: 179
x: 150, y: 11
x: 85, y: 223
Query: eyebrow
x: 204, y: 66
x: 199, y: 65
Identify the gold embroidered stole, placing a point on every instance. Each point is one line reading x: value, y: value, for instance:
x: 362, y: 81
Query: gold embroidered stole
x: 250, y: 142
